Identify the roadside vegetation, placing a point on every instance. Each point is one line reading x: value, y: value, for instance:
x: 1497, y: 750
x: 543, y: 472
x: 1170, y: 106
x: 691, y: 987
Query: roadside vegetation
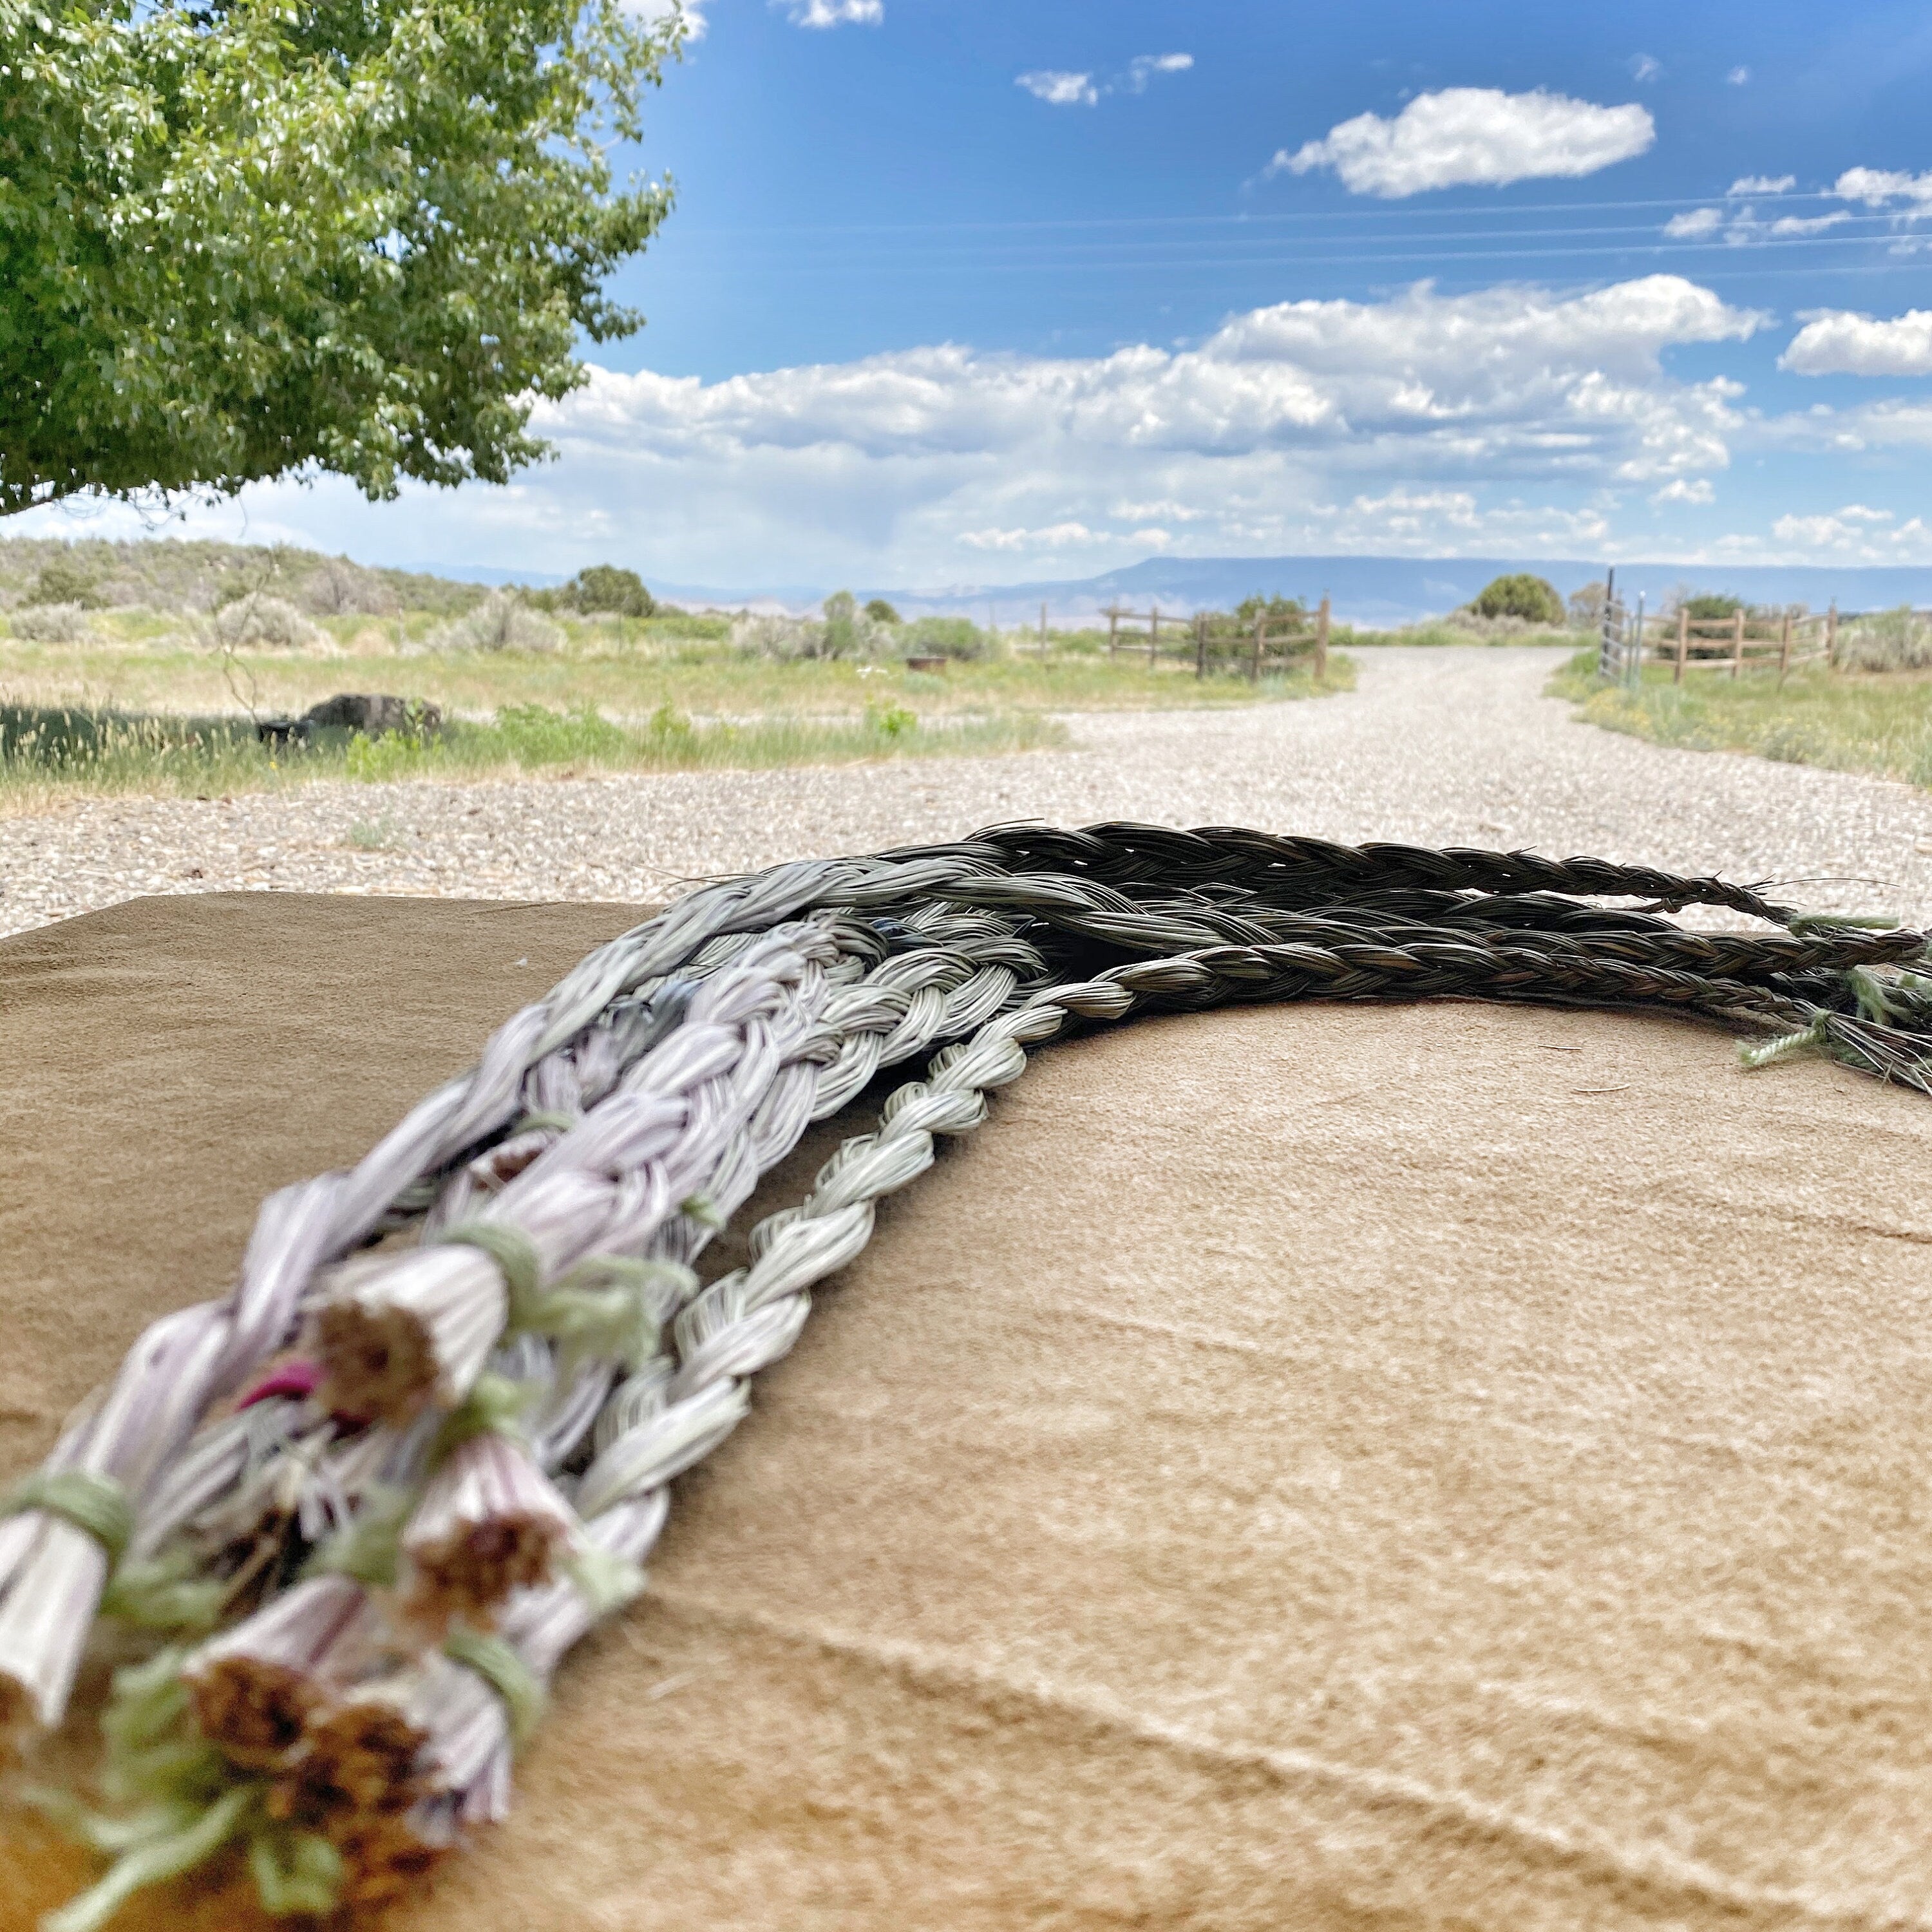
x: 1876, y: 719
x: 171, y: 667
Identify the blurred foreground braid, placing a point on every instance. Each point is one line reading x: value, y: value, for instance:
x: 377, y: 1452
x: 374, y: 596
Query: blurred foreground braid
x: 359, y: 1508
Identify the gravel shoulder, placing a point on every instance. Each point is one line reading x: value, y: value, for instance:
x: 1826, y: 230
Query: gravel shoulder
x: 1453, y: 746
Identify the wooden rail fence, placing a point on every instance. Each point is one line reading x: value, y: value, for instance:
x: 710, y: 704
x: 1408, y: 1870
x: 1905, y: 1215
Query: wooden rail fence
x: 1735, y: 644
x: 1220, y: 644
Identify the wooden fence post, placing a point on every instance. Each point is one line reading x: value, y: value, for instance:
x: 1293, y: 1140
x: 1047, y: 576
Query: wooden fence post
x: 1683, y: 640
x: 1737, y: 644
x: 1784, y: 651
x: 1322, y: 639
x: 1201, y: 644
x: 1113, y: 632
x: 1255, y: 668
x: 1831, y: 636
x: 1043, y: 630
x: 1153, y: 633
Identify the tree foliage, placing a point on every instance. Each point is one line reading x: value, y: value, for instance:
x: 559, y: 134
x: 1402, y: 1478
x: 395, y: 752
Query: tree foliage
x: 1280, y: 614
x: 1712, y: 605
x: 880, y: 612
x: 1522, y: 594
x: 605, y: 586
x: 239, y: 238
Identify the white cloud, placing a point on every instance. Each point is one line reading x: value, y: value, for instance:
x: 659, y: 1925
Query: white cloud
x: 1807, y: 224
x: 931, y: 456
x: 1883, y: 188
x: 1055, y: 538
x: 833, y: 13
x: 1166, y: 509
x: 1645, y: 67
x: 1741, y: 227
x: 1854, y: 532
x: 1143, y: 68
x: 1060, y: 90
x: 1511, y: 418
x: 1685, y: 489
x: 1474, y: 135
x: 1840, y: 342
x: 1760, y: 185
x: 1739, y: 76
x: 653, y: 11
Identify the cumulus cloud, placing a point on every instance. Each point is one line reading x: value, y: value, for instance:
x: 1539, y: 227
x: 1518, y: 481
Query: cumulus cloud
x: 1143, y: 68
x: 833, y: 13
x: 1739, y: 76
x: 1840, y: 342
x: 1512, y: 419
x: 1408, y: 424
x: 1741, y: 227
x: 1885, y: 188
x: 1760, y: 185
x: 1685, y: 489
x: 1051, y: 540
x: 1645, y: 67
x: 1474, y: 135
x: 1060, y: 90
x: 1857, y: 533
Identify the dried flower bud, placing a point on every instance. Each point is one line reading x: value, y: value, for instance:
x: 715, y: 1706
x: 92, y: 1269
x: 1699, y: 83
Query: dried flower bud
x: 489, y: 1522
x: 397, y: 1331
x: 255, y: 1688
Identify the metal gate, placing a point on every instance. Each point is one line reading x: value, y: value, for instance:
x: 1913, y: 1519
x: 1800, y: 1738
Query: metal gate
x: 1620, y: 651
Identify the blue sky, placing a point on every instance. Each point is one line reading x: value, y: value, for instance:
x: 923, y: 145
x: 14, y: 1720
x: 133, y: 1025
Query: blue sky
x: 981, y: 290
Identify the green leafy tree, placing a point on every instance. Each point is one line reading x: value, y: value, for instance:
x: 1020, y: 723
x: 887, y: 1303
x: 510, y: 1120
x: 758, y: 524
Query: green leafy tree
x: 880, y: 612
x: 1283, y: 613
x: 240, y: 237
x: 1712, y: 606
x: 605, y: 587
x: 841, y: 624
x: 1534, y: 599
x: 1586, y: 606
x: 64, y: 579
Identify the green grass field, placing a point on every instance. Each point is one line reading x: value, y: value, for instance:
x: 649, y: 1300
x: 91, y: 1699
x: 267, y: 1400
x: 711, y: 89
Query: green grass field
x: 1878, y: 722
x: 137, y: 661
x: 48, y: 752
x: 147, y: 702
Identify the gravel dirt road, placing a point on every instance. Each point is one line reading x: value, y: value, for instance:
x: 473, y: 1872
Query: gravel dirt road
x: 1435, y: 746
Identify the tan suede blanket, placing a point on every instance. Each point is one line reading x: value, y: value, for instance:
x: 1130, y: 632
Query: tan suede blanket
x: 1317, y: 1467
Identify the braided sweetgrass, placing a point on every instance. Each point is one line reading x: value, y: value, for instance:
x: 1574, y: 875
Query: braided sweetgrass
x: 367, y: 1501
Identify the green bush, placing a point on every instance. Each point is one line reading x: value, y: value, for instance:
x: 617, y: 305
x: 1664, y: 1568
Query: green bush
x: 533, y: 736
x: 395, y: 754
x: 843, y: 635
x: 64, y: 579
x: 1282, y: 612
x: 604, y: 587
x: 957, y: 637
x: 1711, y: 606
x: 1795, y: 741
x: 880, y: 612
x: 1534, y: 599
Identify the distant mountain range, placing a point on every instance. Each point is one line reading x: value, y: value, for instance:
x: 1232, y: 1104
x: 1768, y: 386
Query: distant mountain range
x: 1372, y: 591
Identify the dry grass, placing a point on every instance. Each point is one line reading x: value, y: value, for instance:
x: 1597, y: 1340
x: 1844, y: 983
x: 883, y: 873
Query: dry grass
x: 1851, y: 722
x: 138, y: 662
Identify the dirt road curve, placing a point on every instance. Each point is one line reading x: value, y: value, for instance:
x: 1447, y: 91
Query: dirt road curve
x: 1436, y: 746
